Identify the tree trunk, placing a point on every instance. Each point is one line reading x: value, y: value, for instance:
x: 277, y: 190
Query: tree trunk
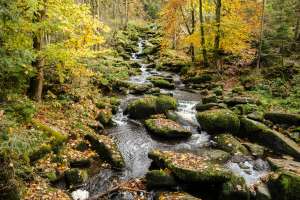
x: 39, y: 44
x: 193, y: 29
x: 218, y: 31
x: 261, y: 34
x: 205, y: 61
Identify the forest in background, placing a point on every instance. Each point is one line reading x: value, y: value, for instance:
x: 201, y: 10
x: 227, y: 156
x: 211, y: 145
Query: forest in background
x: 65, y: 66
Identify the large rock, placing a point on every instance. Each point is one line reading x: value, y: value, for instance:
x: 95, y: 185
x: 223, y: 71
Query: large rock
x: 284, y: 165
x: 150, y: 105
x: 216, y: 155
x: 175, y: 196
x: 162, y: 83
x: 140, y: 89
x: 106, y: 149
x: 219, y: 121
x: 166, y: 128
x: 208, y: 106
x: 190, y: 168
x: 285, y: 187
x: 159, y: 179
x: 230, y: 144
x: 260, y: 133
x: 283, y: 118
x: 240, y: 100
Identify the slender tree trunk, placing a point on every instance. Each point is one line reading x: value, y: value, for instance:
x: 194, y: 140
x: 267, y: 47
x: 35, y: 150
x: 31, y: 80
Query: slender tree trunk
x: 193, y: 29
x: 126, y: 13
x: 218, y: 31
x: 261, y: 34
x: 205, y: 60
x: 39, y: 44
x: 297, y: 28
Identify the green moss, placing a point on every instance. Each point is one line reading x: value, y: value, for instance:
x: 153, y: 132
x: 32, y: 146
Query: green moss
x: 219, y: 121
x: 165, y: 103
x: 260, y: 133
x: 286, y: 186
x: 42, y: 151
x: 229, y: 144
x: 162, y: 83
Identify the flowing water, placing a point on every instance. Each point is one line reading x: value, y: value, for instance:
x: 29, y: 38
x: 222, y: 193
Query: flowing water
x: 134, y: 142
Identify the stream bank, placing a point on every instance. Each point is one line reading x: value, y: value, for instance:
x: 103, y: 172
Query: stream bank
x: 242, y: 163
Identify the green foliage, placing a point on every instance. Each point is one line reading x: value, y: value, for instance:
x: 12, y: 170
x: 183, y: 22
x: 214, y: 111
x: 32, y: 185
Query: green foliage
x: 21, y: 108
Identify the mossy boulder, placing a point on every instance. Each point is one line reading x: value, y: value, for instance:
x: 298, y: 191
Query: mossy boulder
x: 150, y: 105
x: 283, y: 118
x: 203, y: 78
x: 240, y: 100
x: 209, y: 106
x: 105, y: 117
x: 166, y: 128
x: 107, y: 149
x: 160, y: 179
x: 285, y: 187
x: 230, y: 144
x: 211, y: 98
x: 162, y: 83
x: 235, y: 189
x: 56, y: 138
x: 175, y: 196
x: 190, y: 168
x: 219, y: 121
x: 75, y: 177
x: 255, y: 149
x: 260, y: 133
x: 140, y: 89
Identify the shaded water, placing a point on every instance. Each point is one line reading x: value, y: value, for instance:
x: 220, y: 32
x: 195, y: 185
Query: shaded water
x: 134, y: 142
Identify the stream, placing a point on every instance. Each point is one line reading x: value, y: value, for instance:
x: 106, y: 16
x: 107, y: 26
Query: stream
x: 134, y: 142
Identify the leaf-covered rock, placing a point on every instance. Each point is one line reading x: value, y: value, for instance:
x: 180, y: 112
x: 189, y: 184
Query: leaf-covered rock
x: 230, y: 144
x: 106, y: 149
x: 166, y: 128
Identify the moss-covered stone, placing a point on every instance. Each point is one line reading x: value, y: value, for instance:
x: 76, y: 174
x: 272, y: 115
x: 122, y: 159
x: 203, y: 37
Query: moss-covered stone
x: 209, y: 106
x: 235, y: 189
x: 150, y: 105
x: 190, y: 168
x: 162, y: 83
x: 216, y: 155
x: 260, y: 133
x: 175, y: 196
x: 140, y: 89
x: 283, y: 118
x: 159, y: 179
x: 255, y: 149
x: 106, y: 149
x: 211, y: 98
x: 230, y: 144
x: 75, y: 177
x: 166, y: 128
x: 240, y: 100
x: 57, y: 139
x: 219, y: 121
x: 105, y: 117
x: 285, y: 187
